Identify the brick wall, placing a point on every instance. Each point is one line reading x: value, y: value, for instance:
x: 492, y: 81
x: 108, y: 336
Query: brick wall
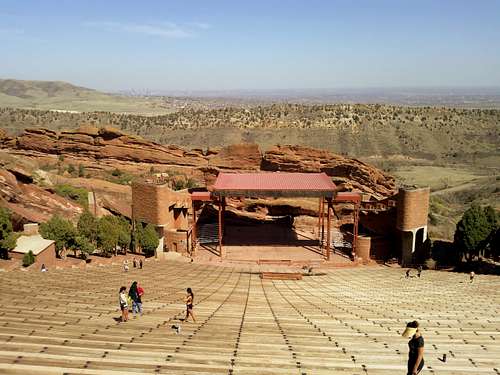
x: 159, y: 205
x: 176, y: 241
x: 412, y: 208
x: 47, y: 257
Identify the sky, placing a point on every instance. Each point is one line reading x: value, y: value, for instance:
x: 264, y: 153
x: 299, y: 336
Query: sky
x: 252, y: 44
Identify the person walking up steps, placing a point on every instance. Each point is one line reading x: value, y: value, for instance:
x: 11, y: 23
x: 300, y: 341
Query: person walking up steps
x: 189, y: 305
x: 135, y: 296
x: 122, y: 299
x: 416, y: 348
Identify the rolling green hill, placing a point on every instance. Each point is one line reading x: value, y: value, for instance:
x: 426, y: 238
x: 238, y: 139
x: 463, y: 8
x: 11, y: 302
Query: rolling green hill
x: 62, y: 96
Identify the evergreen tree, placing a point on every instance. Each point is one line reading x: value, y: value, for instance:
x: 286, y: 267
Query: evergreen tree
x: 148, y: 239
x: 107, y: 235
x: 7, y: 238
x: 82, y: 244
x: 113, y: 232
x: 87, y: 226
x: 473, y: 231
x: 59, y: 230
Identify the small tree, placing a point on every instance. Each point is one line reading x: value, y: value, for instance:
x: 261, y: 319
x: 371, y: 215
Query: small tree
x: 82, y: 244
x: 124, y: 236
x: 87, y: 226
x: 148, y: 239
x: 113, y: 232
x: 28, y: 259
x: 107, y: 235
x: 473, y: 230
x: 59, y: 230
x: 7, y: 240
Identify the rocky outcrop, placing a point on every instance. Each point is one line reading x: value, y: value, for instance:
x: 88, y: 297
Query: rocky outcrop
x: 351, y: 173
x: 112, y: 147
x: 30, y: 203
x: 105, y: 143
x: 239, y: 157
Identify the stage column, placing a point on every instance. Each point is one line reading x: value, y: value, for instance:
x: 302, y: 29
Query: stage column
x: 356, y: 224
x: 328, y: 222
x: 193, y: 234
x: 220, y: 228
x: 319, y: 223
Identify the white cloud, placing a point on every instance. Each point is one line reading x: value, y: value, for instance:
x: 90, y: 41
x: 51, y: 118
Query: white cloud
x: 162, y: 30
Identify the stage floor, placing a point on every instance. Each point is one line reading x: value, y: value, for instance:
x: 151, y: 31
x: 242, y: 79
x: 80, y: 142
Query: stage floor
x: 267, y: 241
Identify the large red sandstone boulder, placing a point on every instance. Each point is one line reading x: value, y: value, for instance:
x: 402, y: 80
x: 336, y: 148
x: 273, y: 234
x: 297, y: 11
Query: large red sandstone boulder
x: 244, y: 156
x: 353, y: 172
x: 30, y: 203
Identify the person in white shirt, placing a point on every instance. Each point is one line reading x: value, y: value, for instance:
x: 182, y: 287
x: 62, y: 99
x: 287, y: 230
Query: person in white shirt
x: 122, y: 299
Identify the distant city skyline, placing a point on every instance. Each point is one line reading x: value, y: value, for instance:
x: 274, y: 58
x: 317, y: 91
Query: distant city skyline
x: 167, y: 46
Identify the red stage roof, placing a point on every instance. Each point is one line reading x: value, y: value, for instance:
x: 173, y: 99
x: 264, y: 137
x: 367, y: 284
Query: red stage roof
x: 274, y: 184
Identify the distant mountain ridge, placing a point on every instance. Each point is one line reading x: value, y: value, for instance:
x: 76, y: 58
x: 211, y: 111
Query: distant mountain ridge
x: 25, y: 89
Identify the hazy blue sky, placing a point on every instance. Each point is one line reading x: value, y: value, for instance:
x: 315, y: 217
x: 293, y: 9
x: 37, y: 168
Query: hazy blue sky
x: 251, y: 44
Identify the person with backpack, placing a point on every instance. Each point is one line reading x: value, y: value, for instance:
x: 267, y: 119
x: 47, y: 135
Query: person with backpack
x: 135, y: 295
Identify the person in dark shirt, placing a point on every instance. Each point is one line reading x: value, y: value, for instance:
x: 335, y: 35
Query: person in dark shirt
x: 135, y: 296
x: 416, y: 348
x: 189, y: 305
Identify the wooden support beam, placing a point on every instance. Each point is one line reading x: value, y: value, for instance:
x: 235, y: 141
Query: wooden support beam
x: 322, y: 222
x: 319, y: 222
x: 329, y: 220
x: 356, y: 224
x: 220, y: 230
x: 194, y: 238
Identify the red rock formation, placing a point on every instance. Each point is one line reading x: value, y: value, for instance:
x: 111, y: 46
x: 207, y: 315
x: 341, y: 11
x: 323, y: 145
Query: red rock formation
x: 112, y: 147
x: 30, y: 203
x: 352, y: 172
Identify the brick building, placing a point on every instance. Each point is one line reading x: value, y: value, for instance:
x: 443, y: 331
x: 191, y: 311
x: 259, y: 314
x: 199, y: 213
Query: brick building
x: 43, y: 250
x: 154, y: 202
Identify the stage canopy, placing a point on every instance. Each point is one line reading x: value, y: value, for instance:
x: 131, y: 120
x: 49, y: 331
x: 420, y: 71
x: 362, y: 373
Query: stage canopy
x: 274, y: 184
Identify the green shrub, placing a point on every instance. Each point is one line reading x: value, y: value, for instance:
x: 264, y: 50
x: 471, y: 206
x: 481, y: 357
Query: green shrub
x: 119, y: 177
x: 183, y: 184
x: 7, y: 240
x: 28, y: 259
x: 116, y: 172
x: 71, y: 169
x: 79, y: 195
x: 81, y: 170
